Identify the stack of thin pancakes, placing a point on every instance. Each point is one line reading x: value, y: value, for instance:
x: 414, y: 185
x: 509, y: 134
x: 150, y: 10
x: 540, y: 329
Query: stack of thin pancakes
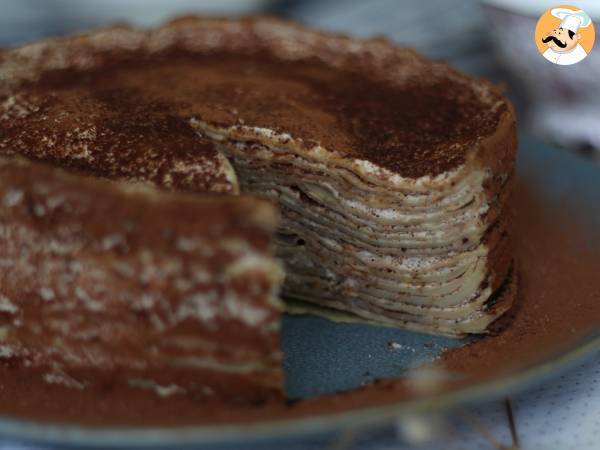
x: 392, y: 175
x: 410, y: 253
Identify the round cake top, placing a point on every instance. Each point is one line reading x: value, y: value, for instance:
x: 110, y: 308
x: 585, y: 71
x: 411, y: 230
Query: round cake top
x: 126, y: 96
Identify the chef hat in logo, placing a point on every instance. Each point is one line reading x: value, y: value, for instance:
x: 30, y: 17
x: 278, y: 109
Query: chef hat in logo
x: 572, y: 20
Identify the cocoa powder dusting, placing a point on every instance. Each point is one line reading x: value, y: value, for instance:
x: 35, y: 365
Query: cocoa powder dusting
x: 558, y: 303
x: 558, y: 300
x: 425, y: 125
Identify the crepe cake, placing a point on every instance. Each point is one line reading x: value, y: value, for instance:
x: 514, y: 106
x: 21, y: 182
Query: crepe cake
x: 110, y: 276
x: 125, y: 242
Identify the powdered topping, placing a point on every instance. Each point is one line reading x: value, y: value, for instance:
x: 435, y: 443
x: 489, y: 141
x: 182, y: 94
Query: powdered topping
x: 360, y: 99
x: 112, y: 133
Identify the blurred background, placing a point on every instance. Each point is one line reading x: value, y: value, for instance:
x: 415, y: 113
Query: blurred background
x: 490, y: 38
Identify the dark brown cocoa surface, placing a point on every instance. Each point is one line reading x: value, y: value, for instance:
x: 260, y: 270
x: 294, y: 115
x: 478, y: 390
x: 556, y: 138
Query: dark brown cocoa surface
x: 424, y: 121
x: 557, y: 304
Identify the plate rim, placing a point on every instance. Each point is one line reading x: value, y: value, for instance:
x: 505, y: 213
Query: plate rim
x: 23, y: 430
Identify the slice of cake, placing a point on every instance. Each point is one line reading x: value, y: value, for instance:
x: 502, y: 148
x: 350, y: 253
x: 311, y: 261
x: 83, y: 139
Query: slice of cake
x: 114, y: 276
x: 392, y: 175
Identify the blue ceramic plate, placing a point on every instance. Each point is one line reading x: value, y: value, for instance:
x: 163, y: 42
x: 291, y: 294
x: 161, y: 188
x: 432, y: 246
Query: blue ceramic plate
x: 324, y: 357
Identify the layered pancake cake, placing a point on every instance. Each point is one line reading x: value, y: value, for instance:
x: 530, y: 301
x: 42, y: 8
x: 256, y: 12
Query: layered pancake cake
x: 156, y: 184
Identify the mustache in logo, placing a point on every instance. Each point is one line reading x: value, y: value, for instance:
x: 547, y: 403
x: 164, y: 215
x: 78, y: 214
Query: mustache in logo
x: 555, y: 40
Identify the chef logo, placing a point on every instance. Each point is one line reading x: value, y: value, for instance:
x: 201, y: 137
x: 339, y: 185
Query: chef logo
x: 564, y: 35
